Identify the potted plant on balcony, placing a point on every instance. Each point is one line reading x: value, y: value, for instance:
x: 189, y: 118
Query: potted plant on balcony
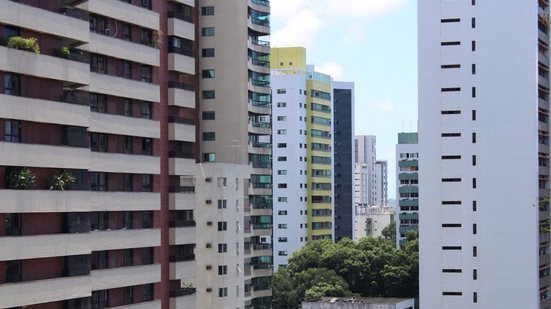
x: 21, y: 179
x: 61, y: 181
x: 28, y: 44
x: 65, y: 51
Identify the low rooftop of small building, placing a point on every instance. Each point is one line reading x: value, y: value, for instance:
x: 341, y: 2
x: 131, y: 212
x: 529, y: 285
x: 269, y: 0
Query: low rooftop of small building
x: 363, y: 300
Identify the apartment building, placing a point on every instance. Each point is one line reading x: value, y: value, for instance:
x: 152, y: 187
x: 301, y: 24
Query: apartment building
x: 343, y: 164
x: 365, y: 153
x: 381, y: 182
x: 484, y: 154
x: 302, y: 150
x: 407, y: 185
x: 104, y: 203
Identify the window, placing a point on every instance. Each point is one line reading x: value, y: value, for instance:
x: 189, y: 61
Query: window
x: 147, y: 146
x: 282, y: 253
x: 450, y: 20
x: 128, y: 295
x: 473, y: 22
x: 473, y: 45
x: 282, y: 212
x: 209, y: 157
x: 473, y: 69
x: 222, y: 270
x: 207, y: 10
x: 282, y: 239
x: 281, y: 91
x: 222, y: 248
x: 474, y: 160
x: 208, y: 94
x: 450, y: 43
x: 282, y: 132
x: 147, y: 257
x: 282, y: 185
x: 207, y: 31
x: 208, y: 115
x: 126, y: 32
x: 473, y: 92
x: 282, y: 226
x: 281, y: 104
x: 222, y: 292
x: 222, y: 204
x: 473, y: 116
x: 127, y: 107
x: 211, y: 73
x: 281, y: 159
x: 12, y: 131
x: 98, y: 64
x: 98, y: 103
x: 147, y: 219
x: 100, y: 299
x: 127, y: 147
x: 147, y: 183
x: 222, y: 226
x: 148, y: 292
x: 146, y: 4
x: 12, y: 84
x: 207, y: 52
x: 146, y: 110
x: 127, y: 220
x: 127, y: 69
x: 474, y: 205
x: 10, y: 31
x: 147, y: 73
x: 282, y: 172
x: 146, y: 37
x: 209, y: 136
x: 281, y: 118
x: 98, y: 142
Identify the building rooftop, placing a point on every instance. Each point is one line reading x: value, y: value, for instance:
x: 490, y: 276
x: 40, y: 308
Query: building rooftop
x: 363, y: 300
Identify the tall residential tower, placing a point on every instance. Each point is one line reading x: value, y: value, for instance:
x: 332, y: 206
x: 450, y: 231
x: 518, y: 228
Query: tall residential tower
x: 484, y: 154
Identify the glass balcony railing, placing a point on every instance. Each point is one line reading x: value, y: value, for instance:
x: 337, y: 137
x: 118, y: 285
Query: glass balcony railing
x: 261, y: 2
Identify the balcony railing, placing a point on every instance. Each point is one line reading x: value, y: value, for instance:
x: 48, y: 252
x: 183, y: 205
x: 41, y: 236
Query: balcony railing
x: 181, y: 189
x: 181, y: 154
x: 75, y: 13
x: 260, y: 103
x: 182, y: 292
x: 180, y: 16
x: 262, y: 226
x: 75, y: 99
x: 184, y: 86
x: 181, y: 120
x: 260, y: 42
x: 262, y: 246
x: 258, y: 124
x: 261, y: 2
x: 182, y: 223
x: 261, y: 145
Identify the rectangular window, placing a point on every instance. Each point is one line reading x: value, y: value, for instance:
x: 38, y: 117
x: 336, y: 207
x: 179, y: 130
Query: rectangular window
x: 282, y: 145
x: 473, y: 92
x: 281, y: 91
x: 128, y: 295
x: 473, y: 69
x: 282, y: 239
x: 282, y: 132
x: 475, y: 253
x: 147, y: 73
x: 209, y: 136
x: 147, y: 146
x: 474, y: 137
x: 222, y: 269
x: 222, y: 248
x: 146, y: 4
x: 450, y: 43
x: 146, y: 37
x: 127, y: 69
x: 453, y: 89
x: 211, y: 73
x: 281, y: 159
x: 474, y: 160
x: 207, y: 10
x: 147, y: 257
x: 148, y: 292
x: 207, y: 52
x: 474, y: 183
x: 99, y: 260
x: 127, y: 147
x: 282, y: 212
x: 146, y: 110
x: 98, y: 64
x: 98, y: 142
x: 12, y: 84
x: 451, y: 112
x: 473, y: 45
x: 98, y: 103
x: 210, y: 115
x: 450, y: 20
x: 222, y: 204
x: 100, y: 299
x: 450, y: 66
x: 208, y: 94
x: 474, y: 228
x: 147, y: 183
x: 473, y: 22
x: 473, y: 116
x: 281, y: 118
x: 474, y: 205
x: 209, y: 157
x: 222, y: 226
x: 207, y: 31
x: 281, y: 104
x: 126, y: 32
x: 222, y: 292
x: 127, y: 108
x: 12, y: 131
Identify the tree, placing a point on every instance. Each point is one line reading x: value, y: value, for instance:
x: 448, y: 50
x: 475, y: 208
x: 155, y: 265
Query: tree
x: 389, y: 232
x: 370, y: 267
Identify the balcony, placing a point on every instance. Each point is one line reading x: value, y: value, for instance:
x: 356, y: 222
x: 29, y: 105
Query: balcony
x: 28, y: 201
x: 41, y: 246
x: 262, y: 27
x: 156, y: 304
x: 123, y: 11
x: 29, y: 63
x: 181, y: 132
x: 181, y: 97
x: 44, y: 291
x: 44, y: 21
x: 182, y: 235
x: 184, y: 271
x: 46, y: 156
x: 125, y: 239
x: 120, y: 125
x: 259, y: 45
x: 122, y: 276
x: 182, y: 201
x: 188, y: 301
x: 122, y: 49
x: 261, y: 128
x: 124, y: 163
x: 122, y: 87
x: 182, y: 292
x: 260, y: 5
x: 260, y: 107
x: 37, y: 110
x: 181, y: 26
x: 181, y: 63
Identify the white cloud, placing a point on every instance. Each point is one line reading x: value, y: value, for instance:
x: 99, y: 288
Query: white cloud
x: 302, y: 20
x: 331, y: 68
x: 384, y: 106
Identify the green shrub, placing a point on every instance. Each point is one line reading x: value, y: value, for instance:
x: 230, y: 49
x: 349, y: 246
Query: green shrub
x: 28, y: 44
x: 21, y: 179
x: 61, y: 181
x: 65, y: 51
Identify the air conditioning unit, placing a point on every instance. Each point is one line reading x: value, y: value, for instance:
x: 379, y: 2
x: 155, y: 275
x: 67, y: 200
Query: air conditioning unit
x: 209, y: 290
x: 208, y: 202
x: 209, y: 223
x: 209, y: 267
x: 209, y: 245
x: 208, y: 179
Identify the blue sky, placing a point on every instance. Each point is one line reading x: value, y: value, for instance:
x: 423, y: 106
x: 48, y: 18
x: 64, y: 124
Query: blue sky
x: 372, y: 43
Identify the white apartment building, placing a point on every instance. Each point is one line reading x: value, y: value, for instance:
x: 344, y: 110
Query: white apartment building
x: 381, y: 182
x: 484, y: 153
x: 290, y: 164
x: 407, y: 186
x: 364, y: 170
